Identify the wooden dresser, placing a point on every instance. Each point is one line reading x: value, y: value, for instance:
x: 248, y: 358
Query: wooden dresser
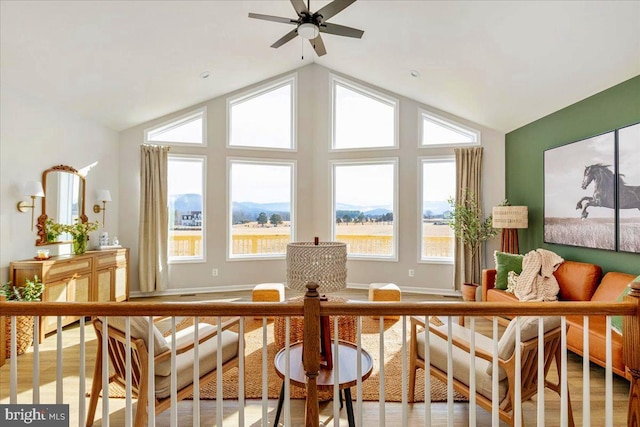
x: 96, y: 276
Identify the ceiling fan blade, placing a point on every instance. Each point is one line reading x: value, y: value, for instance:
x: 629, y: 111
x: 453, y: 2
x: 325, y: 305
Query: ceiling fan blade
x: 299, y: 6
x: 273, y: 18
x: 341, y: 30
x: 333, y: 8
x: 282, y: 40
x: 318, y: 45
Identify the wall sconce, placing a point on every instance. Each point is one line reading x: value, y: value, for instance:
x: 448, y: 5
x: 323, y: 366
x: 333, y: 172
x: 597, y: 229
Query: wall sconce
x: 509, y: 219
x: 32, y: 189
x: 104, y: 196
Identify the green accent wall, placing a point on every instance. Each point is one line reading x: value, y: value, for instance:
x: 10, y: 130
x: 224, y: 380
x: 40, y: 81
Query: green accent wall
x: 613, y: 108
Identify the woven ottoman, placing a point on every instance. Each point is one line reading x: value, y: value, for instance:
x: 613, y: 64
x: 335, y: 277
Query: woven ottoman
x: 387, y: 292
x: 268, y: 292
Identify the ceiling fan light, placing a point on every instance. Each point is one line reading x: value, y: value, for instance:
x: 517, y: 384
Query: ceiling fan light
x: 308, y: 31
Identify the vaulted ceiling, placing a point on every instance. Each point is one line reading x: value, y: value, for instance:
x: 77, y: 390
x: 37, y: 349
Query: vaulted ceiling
x: 501, y: 64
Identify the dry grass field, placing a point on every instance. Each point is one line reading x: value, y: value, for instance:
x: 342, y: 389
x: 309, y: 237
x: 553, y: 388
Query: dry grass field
x: 590, y: 233
x: 365, y: 229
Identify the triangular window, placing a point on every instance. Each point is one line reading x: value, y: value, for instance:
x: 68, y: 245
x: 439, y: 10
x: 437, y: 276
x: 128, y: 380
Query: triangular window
x: 263, y: 118
x: 187, y: 129
x: 438, y: 131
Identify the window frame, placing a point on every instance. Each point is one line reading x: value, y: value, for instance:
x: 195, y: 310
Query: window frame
x: 229, y: 206
x: 421, y: 161
x: 203, y: 258
x: 396, y: 215
x: 369, y: 93
x: 256, y: 92
x: 177, y: 121
x: 449, y: 124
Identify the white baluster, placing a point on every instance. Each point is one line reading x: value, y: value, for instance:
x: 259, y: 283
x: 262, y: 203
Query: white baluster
x: 540, y: 406
x: 59, y: 361
x: 128, y: 404
x: 36, y: 361
x: 81, y: 372
x: 265, y: 384
x: 381, y: 412
x: 608, y: 389
x: 449, y: 371
x: 151, y: 382
x: 359, y: 371
x: 586, y: 376
x: 427, y: 374
x: 241, y: 376
x: 13, y: 392
x: 287, y: 372
x: 564, y: 384
x: 336, y: 375
x: 196, y: 371
x: 472, y: 374
x: 174, y: 376
x: 405, y: 382
x: 219, y: 387
x: 105, y: 371
x: 517, y: 396
x: 494, y: 378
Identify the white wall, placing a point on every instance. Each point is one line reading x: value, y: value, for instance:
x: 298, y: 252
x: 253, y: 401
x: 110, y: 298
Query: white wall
x: 313, y: 193
x: 35, y: 136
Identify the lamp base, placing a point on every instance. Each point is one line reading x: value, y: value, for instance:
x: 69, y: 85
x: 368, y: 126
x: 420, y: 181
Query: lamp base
x: 326, y: 355
x: 509, y: 241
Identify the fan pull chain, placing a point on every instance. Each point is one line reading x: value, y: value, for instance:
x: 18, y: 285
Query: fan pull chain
x: 302, y: 48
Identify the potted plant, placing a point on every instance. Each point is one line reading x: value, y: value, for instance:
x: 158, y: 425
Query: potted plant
x: 468, y: 225
x: 31, y: 291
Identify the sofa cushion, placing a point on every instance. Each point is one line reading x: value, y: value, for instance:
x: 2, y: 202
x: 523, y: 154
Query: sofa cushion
x: 528, y: 331
x: 208, y: 355
x: 506, y: 262
x: 496, y: 295
x: 577, y: 280
x: 461, y: 368
x: 597, y: 341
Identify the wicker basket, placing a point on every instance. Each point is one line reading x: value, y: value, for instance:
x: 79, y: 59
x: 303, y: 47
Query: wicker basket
x: 24, y: 334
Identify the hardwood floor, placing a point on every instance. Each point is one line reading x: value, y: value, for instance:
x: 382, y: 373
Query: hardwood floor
x: 253, y: 409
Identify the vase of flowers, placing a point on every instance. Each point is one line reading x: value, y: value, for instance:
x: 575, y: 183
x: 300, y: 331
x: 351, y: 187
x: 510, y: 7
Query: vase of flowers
x: 79, y: 232
x: 53, y: 230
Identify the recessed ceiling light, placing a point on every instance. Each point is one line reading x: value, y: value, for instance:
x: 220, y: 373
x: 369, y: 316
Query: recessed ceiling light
x: 415, y: 73
x: 204, y: 74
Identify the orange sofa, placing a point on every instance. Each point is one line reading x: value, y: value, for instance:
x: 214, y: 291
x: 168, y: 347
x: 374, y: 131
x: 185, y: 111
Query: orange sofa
x: 579, y: 281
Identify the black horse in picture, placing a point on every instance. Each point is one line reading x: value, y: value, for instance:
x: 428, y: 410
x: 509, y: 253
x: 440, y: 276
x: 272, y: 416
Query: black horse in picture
x: 603, y: 192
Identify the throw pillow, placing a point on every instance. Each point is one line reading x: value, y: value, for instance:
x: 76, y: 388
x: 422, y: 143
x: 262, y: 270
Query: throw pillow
x: 505, y: 263
x: 616, y: 321
x: 528, y: 330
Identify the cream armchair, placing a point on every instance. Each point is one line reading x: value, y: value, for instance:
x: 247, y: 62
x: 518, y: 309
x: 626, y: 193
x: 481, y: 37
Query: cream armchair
x: 207, y: 350
x: 484, y: 361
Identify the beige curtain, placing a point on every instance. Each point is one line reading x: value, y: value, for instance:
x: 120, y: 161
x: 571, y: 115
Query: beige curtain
x: 153, y: 232
x: 468, y: 179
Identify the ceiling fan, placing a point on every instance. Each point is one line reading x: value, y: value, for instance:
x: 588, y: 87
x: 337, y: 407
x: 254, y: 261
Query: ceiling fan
x: 310, y: 25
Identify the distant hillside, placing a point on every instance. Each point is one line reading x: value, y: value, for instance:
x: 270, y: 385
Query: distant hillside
x: 437, y: 208
x: 186, y: 202
x: 249, y: 211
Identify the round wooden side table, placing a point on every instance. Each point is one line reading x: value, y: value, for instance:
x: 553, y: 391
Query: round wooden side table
x: 346, y: 359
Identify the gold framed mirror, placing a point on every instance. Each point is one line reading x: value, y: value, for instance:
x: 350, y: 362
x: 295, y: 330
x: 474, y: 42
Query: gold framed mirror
x: 63, y: 202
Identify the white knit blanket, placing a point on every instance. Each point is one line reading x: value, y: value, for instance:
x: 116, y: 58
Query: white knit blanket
x: 537, y: 282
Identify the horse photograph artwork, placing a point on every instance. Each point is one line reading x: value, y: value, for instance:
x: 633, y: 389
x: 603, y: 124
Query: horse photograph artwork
x: 579, y: 193
x: 629, y: 188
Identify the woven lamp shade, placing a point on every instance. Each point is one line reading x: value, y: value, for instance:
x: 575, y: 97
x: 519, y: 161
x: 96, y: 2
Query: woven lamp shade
x: 510, y: 217
x: 324, y: 263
